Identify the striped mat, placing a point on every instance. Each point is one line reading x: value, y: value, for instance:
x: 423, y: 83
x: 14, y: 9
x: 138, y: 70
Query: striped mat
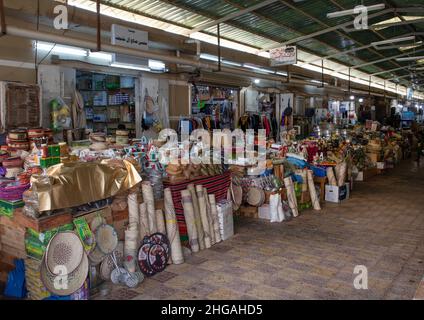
x: 218, y: 185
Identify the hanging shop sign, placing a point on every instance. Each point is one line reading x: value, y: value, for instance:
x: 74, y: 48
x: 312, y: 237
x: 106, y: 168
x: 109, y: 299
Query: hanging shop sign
x: 283, y: 56
x: 409, y: 93
x: 130, y: 38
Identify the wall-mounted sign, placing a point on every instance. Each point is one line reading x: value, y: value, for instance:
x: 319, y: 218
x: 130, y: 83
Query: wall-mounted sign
x: 283, y: 56
x: 130, y: 38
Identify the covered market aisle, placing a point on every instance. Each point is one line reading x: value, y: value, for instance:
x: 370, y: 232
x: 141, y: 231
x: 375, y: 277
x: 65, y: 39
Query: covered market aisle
x: 313, y: 256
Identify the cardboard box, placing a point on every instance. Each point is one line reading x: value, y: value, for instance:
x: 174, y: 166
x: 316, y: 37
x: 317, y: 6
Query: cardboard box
x: 366, y: 174
x: 335, y: 194
x: 264, y: 212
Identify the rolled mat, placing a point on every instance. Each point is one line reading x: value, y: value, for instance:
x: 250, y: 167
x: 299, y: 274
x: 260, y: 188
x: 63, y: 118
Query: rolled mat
x: 291, y: 196
x: 214, y: 214
x: 130, y: 250
x: 304, y: 176
x: 204, y: 215
x: 143, y: 221
x: 189, y: 219
x: 133, y: 214
x: 341, y: 173
x: 172, y: 228
x: 331, y: 178
x: 160, y: 221
x: 313, y: 191
x: 197, y: 218
x: 147, y: 190
x: 210, y: 220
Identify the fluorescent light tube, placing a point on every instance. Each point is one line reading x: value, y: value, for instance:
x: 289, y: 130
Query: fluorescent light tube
x: 403, y: 39
x: 343, y: 13
x: 100, y: 55
x: 258, y: 68
x: 281, y: 73
x: 209, y: 57
x: 231, y: 63
x: 58, y: 49
x: 410, y: 58
x: 129, y: 66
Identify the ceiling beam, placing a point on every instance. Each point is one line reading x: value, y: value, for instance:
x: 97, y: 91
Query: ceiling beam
x: 402, y: 77
x: 293, y: 7
x: 382, y: 60
x: 348, y: 23
x: 391, y: 70
x: 330, y: 29
x: 266, y: 18
x: 399, y: 23
x: 232, y: 16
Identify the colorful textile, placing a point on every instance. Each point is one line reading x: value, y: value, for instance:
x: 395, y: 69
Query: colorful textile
x: 217, y: 185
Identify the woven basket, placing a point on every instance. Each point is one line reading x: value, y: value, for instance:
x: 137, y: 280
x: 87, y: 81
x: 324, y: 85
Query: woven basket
x: 12, y: 192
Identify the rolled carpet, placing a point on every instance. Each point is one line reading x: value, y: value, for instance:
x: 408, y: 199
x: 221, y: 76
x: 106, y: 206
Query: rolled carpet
x: 147, y: 190
x: 133, y: 214
x: 189, y: 219
x: 172, y: 228
x: 291, y: 196
x: 197, y: 218
x: 331, y: 178
x: 143, y: 221
x: 214, y: 214
x: 210, y: 220
x: 313, y: 191
x: 204, y: 215
x: 160, y: 221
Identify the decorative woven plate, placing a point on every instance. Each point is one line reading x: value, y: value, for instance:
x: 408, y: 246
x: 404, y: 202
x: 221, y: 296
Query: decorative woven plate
x: 64, y: 249
x: 143, y: 260
x: 255, y: 197
x: 106, y: 238
x: 158, y: 258
x: 96, y: 256
x: 107, y: 265
x: 97, y: 222
x: 160, y: 239
x: 68, y: 284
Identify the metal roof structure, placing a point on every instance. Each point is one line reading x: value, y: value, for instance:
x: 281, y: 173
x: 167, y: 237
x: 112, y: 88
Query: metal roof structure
x: 261, y: 25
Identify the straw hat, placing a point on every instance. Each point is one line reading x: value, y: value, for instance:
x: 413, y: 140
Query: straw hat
x: 106, y: 238
x: 74, y: 280
x: 64, y: 249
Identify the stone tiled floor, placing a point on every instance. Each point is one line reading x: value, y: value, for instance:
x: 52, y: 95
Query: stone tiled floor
x: 314, y: 255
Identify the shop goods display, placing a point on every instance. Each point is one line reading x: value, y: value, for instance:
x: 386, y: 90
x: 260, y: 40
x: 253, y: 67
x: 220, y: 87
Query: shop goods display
x: 108, y: 211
